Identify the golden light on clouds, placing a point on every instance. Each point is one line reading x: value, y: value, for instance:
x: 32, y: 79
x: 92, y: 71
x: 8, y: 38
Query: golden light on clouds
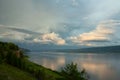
x: 50, y: 38
x: 102, y: 33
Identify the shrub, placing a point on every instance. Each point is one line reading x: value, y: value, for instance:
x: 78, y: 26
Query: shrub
x: 71, y: 72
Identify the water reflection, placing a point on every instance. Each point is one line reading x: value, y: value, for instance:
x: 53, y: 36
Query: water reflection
x: 99, y: 71
x: 98, y: 66
x: 50, y: 61
x: 53, y: 64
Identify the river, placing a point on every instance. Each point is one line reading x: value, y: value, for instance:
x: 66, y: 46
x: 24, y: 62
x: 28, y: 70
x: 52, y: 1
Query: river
x: 104, y: 66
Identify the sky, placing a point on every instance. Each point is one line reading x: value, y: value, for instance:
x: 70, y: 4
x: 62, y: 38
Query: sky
x: 61, y: 22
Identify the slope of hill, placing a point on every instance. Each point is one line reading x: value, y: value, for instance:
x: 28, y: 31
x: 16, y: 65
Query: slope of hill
x: 8, y: 72
x: 14, y: 65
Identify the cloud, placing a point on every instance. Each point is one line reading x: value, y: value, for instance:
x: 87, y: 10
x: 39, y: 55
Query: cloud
x: 74, y: 3
x: 75, y: 18
x: 13, y: 35
x: 110, y: 22
x: 16, y: 34
x: 102, y: 33
x: 50, y: 38
x: 36, y: 15
x: 101, y: 10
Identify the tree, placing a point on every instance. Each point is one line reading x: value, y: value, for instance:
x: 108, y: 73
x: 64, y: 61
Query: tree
x: 71, y: 72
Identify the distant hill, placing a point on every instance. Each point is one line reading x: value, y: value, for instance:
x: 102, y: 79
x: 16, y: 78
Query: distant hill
x: 106, y: 49
x: 24, y: 50
x: 114, y: 49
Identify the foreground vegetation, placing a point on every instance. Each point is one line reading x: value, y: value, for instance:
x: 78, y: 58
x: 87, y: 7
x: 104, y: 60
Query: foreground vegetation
x: 11, y: 56
x: 8, y: 72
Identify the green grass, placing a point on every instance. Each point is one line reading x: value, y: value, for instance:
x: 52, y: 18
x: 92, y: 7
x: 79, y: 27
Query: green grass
x: 8, y: 72
x: 48, y: 72
x: 16, y: 66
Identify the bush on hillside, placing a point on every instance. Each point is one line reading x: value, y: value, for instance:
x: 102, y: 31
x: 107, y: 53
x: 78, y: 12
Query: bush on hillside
x: 71, y: 72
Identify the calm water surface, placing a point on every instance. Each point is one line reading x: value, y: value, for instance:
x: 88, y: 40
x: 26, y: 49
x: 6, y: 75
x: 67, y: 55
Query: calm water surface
x: 98, y: 66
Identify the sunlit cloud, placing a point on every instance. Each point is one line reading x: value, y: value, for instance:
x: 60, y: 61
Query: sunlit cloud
x: 50, y: 38
x: 102, y: 33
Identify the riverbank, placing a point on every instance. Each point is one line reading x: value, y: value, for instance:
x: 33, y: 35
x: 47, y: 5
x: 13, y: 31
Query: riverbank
x: 11, y: 56
x: 21, y: 68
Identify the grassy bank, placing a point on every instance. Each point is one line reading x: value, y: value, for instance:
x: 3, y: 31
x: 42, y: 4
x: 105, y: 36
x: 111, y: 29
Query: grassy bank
x: 11, y: 55
x: 8, y: 72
